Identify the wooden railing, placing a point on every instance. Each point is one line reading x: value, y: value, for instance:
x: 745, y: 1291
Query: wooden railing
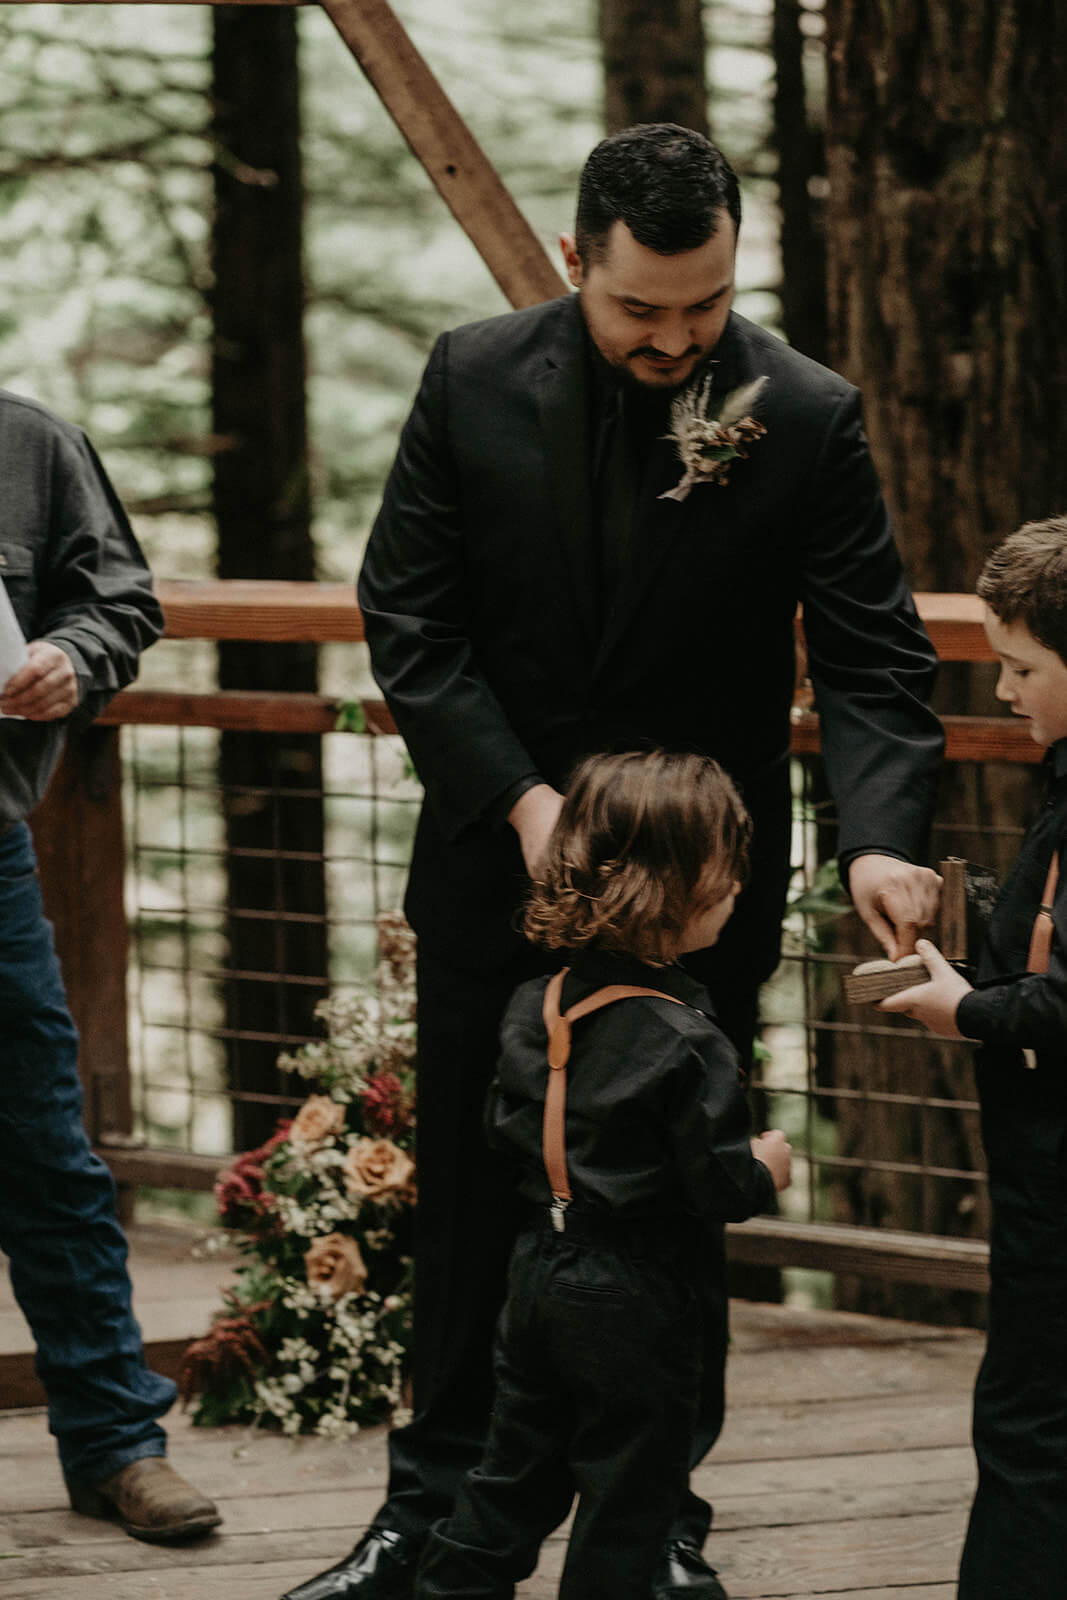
x: 80, y: 838
x: 327, y: 613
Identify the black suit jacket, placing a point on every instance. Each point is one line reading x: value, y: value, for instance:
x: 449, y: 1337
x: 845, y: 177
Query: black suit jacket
x: 480, y: 607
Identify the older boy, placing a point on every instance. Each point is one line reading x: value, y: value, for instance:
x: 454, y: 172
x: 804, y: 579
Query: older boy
x: 1016, y: 1546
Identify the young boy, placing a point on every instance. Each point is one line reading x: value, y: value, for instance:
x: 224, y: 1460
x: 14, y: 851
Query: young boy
x: 646, y: 1141
x: 1016, y: 1547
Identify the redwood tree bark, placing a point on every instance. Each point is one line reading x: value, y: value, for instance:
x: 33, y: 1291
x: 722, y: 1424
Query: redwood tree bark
x: 947, y: 161
x: 947, y: 267
x: 654, y: 63
x: 798, y: 146
x: 272, y: 783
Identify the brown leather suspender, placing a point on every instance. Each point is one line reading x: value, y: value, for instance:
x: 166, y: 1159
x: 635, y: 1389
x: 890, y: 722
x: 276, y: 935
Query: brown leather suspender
x: 558, y: 1028
x: 1041, y: 938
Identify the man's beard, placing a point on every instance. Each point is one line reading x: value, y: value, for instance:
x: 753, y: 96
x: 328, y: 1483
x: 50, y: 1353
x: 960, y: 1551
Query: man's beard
x: 639, y: 385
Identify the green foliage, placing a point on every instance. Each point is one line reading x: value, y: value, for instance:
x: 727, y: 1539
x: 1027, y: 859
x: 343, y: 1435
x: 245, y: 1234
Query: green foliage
x: 350, y: 717
x: 105, y: 206
x: 825, y: 896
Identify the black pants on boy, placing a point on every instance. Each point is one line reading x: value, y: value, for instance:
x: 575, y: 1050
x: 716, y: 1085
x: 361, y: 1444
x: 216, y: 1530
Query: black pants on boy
x: 597, y: 1366
x: 1016, y: 1546
x: 466, y: 1221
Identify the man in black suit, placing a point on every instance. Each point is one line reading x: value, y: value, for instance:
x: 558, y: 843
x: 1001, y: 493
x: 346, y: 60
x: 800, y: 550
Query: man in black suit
x: 531, y: 593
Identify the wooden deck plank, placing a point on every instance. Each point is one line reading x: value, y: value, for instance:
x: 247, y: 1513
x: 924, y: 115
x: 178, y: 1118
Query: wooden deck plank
x: 844, y: 1469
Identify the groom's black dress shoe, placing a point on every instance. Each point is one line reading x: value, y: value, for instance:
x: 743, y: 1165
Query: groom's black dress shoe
x: 381, y: 1567
x: 684, y: 1573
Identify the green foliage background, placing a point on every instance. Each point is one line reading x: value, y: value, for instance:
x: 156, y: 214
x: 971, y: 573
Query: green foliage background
x: 105, y: 201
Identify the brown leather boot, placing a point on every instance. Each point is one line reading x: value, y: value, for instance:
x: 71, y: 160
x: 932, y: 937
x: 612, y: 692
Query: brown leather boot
x: 149, y: 1500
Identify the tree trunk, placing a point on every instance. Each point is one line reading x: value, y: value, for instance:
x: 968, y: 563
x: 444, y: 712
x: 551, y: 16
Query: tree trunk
x: 272, y: 784
x: 654, y: 63
x: 947, y: 265
x: 801, y: 157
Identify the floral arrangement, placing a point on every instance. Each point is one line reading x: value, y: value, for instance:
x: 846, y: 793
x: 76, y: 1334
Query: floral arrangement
x: 316, y: 1330
x: 707, y: 445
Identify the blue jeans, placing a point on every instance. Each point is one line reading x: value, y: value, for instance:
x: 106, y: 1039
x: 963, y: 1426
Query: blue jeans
x: 58, y: 1226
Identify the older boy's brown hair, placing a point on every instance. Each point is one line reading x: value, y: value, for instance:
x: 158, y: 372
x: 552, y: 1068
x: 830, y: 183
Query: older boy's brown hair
x: 644, y: 841
x: 1025, y: 580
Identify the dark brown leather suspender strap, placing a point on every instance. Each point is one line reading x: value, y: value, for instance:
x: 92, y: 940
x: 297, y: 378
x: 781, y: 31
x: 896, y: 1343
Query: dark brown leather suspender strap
x: 1041, y: 938
x: 558, y: 1028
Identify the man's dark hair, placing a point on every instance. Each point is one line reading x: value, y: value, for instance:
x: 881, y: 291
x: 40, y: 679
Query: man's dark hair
x: 1025, y: 579
x: 668, y: 184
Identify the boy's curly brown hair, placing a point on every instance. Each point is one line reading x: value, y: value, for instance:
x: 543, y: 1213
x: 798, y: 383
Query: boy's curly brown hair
x: 1025, y: 580
x: 645, y: 841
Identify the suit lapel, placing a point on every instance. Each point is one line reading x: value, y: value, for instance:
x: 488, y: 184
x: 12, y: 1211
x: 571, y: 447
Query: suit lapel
x: 562, y: 397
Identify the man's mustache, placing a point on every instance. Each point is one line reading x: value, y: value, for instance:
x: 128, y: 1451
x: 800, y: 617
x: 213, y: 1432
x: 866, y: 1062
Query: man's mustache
x: 662, y: 355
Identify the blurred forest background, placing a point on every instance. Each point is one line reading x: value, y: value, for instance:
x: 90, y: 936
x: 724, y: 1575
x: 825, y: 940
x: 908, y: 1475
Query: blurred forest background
x: 111, y: 167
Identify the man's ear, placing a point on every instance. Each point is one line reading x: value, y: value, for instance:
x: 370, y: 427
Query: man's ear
x: 571, y: 259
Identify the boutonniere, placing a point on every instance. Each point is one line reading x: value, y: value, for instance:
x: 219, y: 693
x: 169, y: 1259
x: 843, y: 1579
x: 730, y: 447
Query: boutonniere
x: 707, y: 445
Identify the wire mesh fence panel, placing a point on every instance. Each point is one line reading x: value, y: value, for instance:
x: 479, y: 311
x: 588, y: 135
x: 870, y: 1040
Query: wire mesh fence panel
x: 188, y: 1043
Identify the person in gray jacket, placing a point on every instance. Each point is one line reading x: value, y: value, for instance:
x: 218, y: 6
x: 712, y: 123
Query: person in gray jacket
x: 82, y: 596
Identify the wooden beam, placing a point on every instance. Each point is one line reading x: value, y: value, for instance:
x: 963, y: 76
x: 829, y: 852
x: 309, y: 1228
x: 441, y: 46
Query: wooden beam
x: 239, y: 711
x: 454, y: 160
x: 954, y: 623
x: 272, y: 609
x: 19, y: 1384
x: 263, y: 711
x: 161, y: 1169
x: 81, y: 848
x: 263, y: 608
x: 236, y: 710
x: 966, y: 738
x: 868, y: 1252
x: 763, y: 1241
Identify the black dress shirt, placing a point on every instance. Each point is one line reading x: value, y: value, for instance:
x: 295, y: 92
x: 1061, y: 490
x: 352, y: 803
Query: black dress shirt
x: 657, y: 1124
x: 1011, y: 1009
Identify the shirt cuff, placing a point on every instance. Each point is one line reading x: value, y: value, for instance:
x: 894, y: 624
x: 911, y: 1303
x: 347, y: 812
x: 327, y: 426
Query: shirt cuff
x: 497, y: 812
x: 768, y: 1201
x: 976, y: 1014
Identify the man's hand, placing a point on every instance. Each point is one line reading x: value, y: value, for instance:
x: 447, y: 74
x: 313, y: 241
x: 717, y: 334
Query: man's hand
x: 776, y: 1153
x: 45, y: 689
x: 533, y: 816
x: 895, y: 899
x: 934, y: 1004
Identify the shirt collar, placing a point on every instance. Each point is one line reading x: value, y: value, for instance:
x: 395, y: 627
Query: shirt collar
x: 594, y: 969
x: 1057, y: 760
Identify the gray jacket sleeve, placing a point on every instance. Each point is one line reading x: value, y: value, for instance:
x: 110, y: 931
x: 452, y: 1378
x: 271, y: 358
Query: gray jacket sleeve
x: 94, y: 597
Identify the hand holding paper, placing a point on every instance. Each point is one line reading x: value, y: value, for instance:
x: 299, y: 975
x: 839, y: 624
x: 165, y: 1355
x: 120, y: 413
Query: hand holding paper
x: 45, y: 688
x: 12, y: 642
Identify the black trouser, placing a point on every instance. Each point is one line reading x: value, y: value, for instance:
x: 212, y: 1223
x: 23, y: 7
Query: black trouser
x: 1016, y: 1547
x: 465, y: 1225
x: 597, y: 1378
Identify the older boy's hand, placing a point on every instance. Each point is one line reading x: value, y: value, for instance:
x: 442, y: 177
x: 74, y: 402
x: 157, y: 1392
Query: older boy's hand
x: 895, y: 899
x: 934, y: 1004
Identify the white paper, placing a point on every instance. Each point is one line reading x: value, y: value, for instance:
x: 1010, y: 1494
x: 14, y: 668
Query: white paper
x: 12, y: 643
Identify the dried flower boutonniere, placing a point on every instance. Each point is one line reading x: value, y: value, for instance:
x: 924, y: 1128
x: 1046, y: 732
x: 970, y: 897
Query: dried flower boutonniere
x: 707, y: 445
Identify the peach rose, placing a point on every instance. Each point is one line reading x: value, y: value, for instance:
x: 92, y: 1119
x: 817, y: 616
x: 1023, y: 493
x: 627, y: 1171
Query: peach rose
x: 377, y: 1168
x: 318, y: 1119
x: 335, y: 1261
